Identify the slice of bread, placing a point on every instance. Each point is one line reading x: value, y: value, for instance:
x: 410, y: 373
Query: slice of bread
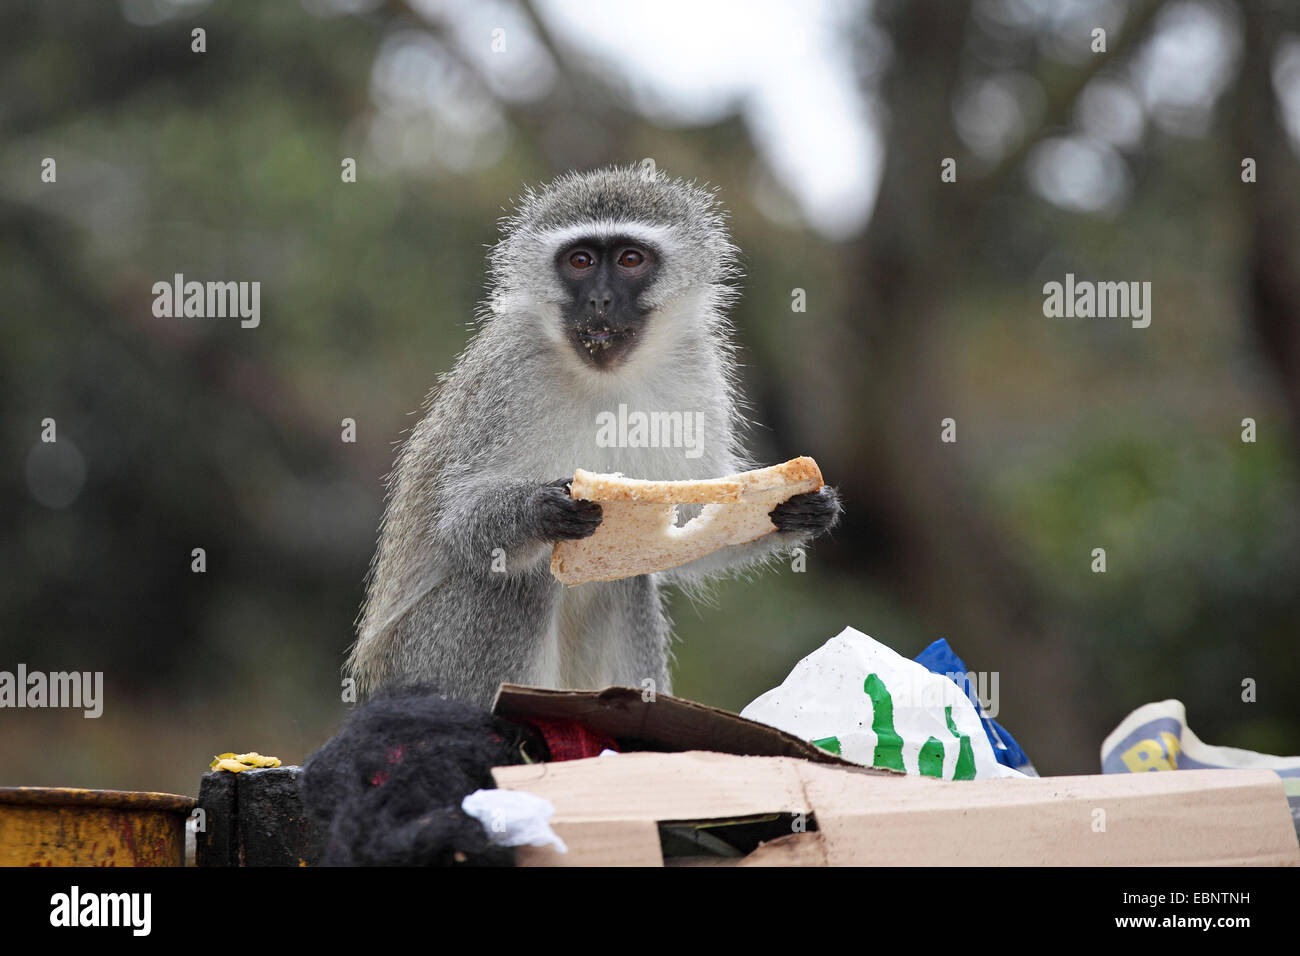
x: 638, y: 532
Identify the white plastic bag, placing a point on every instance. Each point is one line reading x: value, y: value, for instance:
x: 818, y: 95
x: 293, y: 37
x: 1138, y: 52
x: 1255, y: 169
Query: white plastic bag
x: 855, y: 697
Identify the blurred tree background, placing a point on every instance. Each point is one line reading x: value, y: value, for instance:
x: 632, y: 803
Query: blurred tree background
x: 1123, y: 165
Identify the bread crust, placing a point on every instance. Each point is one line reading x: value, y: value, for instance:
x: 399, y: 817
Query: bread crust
x: 638, y: 533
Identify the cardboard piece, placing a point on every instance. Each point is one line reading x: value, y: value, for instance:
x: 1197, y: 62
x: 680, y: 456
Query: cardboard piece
x: 697, y: 769
x: 608, y: 811
x: 665, y: 723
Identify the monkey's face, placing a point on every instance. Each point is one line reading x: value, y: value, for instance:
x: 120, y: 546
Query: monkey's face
x: 604, y: 279
x: 616, y: 271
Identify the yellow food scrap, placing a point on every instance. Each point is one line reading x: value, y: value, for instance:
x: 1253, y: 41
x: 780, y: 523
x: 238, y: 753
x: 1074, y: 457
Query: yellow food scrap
x: 255, y: 759
x: 237, y: 762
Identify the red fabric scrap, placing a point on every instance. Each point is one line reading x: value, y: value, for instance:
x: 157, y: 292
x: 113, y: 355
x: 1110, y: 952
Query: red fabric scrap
x: 571, y: 740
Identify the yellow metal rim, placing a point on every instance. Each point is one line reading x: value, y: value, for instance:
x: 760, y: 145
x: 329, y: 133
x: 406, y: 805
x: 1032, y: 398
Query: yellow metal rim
x: 113, y: 799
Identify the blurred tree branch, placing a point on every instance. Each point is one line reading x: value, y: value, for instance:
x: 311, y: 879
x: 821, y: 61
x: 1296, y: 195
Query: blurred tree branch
x: 1272, y: 203
x: 1062, y: 97
x: 927, y: 531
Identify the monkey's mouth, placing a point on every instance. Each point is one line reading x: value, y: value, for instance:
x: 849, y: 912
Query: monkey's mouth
x: 604, y: 345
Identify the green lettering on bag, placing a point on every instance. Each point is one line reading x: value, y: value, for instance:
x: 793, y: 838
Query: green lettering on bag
x: 889, y: 746
x: 965, y: 755
x: 930, y: 760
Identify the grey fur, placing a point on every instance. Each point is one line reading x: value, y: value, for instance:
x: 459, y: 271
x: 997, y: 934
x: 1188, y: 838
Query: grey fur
x: 516, y: 412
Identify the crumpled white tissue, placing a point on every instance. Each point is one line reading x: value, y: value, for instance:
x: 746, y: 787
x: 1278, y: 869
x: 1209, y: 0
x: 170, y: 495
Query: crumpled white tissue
x: 514, y: 818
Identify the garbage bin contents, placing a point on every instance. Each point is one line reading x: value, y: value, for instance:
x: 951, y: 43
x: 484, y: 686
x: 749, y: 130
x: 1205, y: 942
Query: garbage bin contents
x: 1156, y: 737
x: 939, y: 658
x: 388, y: 788
x: 234, y: 763
x: 855, y: 697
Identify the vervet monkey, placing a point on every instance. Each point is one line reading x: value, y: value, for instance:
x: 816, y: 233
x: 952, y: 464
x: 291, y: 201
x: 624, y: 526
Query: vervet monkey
x: 607, y: 288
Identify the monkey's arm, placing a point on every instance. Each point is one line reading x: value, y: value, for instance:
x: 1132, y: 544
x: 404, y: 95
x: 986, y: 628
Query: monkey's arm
x: 521, y: 518
x: 515, y: 519
x: 798, y: 520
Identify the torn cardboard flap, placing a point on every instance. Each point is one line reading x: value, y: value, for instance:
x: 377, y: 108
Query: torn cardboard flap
x: 609, y: 811
x: 663, y: 723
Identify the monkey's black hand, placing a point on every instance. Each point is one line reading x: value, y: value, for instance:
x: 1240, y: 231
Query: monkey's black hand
x: 811, y: 513
x: 562, y: 518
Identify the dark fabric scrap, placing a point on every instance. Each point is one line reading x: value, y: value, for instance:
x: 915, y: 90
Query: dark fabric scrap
x: 387, y: 788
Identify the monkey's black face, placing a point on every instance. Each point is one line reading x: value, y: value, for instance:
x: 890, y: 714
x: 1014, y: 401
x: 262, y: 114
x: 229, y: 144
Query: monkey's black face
x: 605, y: 279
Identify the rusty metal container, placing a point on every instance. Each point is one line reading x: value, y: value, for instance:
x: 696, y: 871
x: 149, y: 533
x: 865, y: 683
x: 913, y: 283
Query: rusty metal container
x: 63, y: 826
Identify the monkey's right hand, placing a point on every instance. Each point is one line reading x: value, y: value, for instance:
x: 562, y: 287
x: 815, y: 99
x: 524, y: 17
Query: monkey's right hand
x: 562, y: 518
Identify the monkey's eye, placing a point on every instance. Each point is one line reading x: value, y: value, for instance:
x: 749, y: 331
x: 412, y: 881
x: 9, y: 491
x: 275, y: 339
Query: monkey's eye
x: 581, y: 260
x: 635, y: 262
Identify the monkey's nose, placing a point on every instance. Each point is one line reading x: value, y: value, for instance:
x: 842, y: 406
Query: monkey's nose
x: 600, y: 303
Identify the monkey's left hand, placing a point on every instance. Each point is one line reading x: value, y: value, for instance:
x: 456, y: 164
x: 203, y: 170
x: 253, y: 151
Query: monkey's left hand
x: 810, y: 513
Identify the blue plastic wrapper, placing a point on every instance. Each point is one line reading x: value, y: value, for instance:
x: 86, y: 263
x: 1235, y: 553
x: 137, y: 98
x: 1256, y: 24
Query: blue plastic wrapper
x: 939, y: 658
